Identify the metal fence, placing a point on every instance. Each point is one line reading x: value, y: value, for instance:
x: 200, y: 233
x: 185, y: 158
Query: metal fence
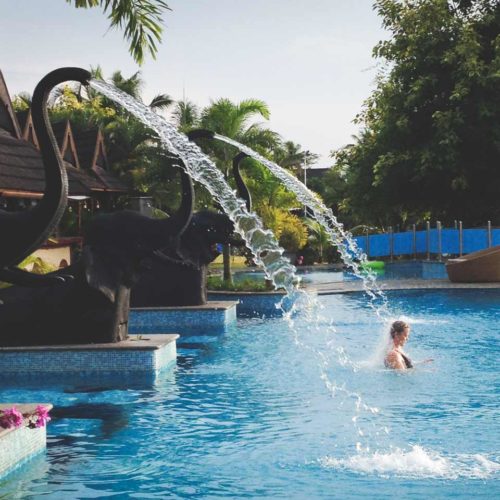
x: 436, y: 241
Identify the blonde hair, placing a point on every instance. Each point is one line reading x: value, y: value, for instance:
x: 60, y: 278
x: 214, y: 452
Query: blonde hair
x: 398, y: 327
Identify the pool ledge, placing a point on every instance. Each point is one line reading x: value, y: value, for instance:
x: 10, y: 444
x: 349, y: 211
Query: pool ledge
x: 405, y: 284
x: 18, y: 446
x: 136, y: 354
x: 211, y: 318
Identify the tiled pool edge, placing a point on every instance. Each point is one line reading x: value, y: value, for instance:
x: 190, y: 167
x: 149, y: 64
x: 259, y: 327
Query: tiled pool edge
x: 213, y: 317
x: 254, y: 303
x: 19, y: 446
x: 133, y: 355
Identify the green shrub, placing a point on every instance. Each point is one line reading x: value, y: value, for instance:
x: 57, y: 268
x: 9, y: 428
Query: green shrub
x: 216, y: 283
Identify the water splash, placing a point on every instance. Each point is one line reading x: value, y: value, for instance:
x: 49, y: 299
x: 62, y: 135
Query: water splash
x: 417, y: 462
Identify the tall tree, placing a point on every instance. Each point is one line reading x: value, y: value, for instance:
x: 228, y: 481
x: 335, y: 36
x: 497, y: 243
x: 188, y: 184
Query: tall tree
x: 430, y: 144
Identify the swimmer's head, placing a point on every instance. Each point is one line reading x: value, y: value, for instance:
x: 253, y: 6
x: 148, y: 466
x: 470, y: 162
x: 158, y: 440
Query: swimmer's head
x: 400, y: 330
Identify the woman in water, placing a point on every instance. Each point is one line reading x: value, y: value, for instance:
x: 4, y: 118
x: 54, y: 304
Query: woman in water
x: 396, y: 358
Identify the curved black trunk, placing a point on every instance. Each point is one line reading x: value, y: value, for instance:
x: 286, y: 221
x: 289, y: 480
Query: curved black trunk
x: 243, y: 191
x: 23, y: 232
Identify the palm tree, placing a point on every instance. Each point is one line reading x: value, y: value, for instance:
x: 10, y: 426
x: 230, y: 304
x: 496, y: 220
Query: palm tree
x: 133, y: 86
x: 290, y: 155
x: 140, y: 20
x: 186, y: 115
x: 236, y: 122
x: 318, y: 237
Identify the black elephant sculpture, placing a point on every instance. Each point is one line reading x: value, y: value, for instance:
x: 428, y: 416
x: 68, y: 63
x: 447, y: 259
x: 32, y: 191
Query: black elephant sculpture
x: 93, y: 307
x: 169, y: 283
x: 23, y: 232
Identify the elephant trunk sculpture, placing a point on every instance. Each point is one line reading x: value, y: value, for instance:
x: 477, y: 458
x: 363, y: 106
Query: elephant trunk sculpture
x: 23, y: 232
x: 169, y: 283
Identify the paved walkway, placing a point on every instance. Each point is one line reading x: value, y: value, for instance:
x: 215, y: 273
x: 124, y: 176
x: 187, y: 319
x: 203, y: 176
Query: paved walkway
x: 406, y: 284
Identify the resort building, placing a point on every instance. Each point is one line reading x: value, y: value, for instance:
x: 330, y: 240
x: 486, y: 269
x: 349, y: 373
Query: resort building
x: 92, y: 186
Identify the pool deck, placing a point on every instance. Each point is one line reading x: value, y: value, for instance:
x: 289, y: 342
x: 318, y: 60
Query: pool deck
x: 335, y: 287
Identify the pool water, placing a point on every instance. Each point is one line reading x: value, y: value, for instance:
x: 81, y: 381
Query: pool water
x: 392, y: 271
x: 276, y: 410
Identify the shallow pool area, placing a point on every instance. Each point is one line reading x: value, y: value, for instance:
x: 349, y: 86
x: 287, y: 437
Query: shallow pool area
x: 276, y: 409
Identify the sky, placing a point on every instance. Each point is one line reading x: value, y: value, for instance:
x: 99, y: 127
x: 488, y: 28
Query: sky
x: 309, y: 60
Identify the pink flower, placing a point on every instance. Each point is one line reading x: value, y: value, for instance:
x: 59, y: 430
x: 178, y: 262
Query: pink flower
x: 11, y: 418
x: 42, y: 416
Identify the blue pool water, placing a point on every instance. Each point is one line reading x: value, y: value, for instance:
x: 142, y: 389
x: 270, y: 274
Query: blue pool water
x: 253, y: 414
x: 392, y: 271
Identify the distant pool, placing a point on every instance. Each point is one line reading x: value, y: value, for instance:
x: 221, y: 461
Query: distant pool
x: 246, y: 415
x: 393, y: 271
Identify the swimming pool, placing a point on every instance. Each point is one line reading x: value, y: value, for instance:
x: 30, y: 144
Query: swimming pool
x: 248, y: 414
x: 393, y: 271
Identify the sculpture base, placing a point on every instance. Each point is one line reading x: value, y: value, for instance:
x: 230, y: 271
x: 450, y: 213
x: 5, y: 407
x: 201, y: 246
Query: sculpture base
x: 211, y: 318
x: 141, y: 354
x: 17, y: 446
x: 256, y: 304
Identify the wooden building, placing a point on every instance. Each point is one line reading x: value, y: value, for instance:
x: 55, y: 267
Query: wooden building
x: 91, y: 184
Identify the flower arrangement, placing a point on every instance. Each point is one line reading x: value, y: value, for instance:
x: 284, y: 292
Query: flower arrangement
x: 13, y: 418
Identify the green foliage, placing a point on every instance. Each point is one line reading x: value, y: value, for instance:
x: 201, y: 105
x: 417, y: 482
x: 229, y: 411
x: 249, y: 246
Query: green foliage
x: 430, y: 144
x: 288, y: 228
x: 216, y: 283
x: 140, y: 21
x: 318, y: 238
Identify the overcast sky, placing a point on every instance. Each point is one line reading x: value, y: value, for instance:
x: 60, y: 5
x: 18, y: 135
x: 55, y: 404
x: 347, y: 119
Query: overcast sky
x: 309, y: 60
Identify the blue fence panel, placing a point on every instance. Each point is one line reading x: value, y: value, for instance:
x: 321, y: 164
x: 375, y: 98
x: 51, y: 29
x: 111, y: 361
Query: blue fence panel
x: 421, y: 241
x: 495, y: 237
x: 403, y: 243
x: 434, y: 241
x: 361, y: 243
x: 449, y: 241
x: 379, y: 245
x: 475, y: 239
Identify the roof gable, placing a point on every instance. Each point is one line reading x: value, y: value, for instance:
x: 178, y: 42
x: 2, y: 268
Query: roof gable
x: 8, y: 120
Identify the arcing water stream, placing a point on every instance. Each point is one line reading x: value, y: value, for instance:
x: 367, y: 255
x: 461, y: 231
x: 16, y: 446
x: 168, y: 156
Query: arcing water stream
x: 261, y: 242
x: 269, y: 255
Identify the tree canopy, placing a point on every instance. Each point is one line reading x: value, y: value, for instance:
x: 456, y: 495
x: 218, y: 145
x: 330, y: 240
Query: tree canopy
x: 430, y: 139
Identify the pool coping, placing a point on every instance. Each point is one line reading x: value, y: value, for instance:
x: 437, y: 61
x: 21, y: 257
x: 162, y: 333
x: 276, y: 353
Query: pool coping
x: 135, y: 344
x: 406, y: 284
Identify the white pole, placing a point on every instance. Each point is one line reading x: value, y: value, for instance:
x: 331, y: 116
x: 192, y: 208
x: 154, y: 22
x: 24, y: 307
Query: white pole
x: 305, y: 178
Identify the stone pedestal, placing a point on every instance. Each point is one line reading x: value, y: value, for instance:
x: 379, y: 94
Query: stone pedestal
x: 211, y: 318
x: 149, y: 353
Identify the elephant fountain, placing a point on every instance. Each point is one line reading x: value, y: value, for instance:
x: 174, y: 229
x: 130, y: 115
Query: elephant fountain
x: 171, y: 283
x: 87, y: 302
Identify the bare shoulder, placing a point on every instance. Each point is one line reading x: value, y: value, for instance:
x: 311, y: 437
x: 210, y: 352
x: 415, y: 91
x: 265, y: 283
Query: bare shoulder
x: 394, y: 360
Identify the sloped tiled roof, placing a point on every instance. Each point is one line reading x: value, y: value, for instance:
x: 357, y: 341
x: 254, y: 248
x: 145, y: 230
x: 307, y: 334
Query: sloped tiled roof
x: 92, y: 155
x: 8, y: 119
x: 86, y: 141
x: 21, y: 169
x: 22, y: 118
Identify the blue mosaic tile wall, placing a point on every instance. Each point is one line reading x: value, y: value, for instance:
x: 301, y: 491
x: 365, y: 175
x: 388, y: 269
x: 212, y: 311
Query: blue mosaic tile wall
x: 87, y: 362
x: 181, y: 321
